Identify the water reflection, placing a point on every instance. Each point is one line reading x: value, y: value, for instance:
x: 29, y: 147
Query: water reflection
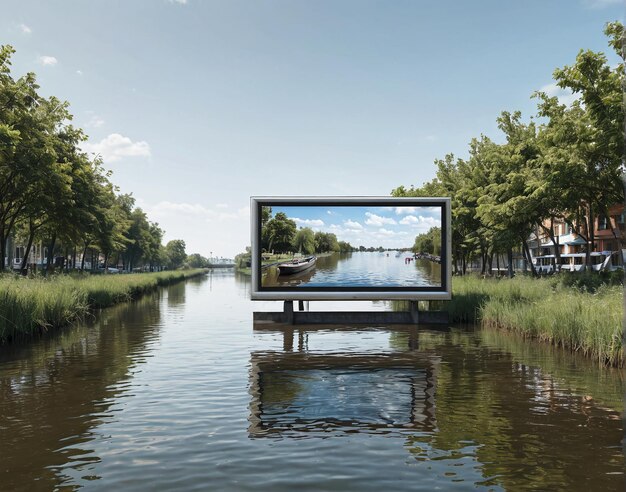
x: 54, y: 393
x: 297, y: 394
x: 187, y: 396
x: 455, y: 399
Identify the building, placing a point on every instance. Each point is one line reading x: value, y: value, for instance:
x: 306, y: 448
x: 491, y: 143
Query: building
x: 607, y: 253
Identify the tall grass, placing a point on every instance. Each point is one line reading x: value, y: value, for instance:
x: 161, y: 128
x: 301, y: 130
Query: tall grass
x: 583, y: 319
x: 29, y: 306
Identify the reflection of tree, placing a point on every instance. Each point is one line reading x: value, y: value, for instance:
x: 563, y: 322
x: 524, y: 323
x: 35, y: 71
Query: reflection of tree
x: 430, y: 270
x: 512, y: 417
x: 54, y: 392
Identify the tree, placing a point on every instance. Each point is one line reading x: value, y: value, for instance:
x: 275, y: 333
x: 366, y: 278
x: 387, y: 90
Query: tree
x: 175, y: 253
x: 326, y: 242
x: 345, y: 247
x: 280, y: 233
x: 27, y: 127
x: 584, y: 143
x: 429, y: 242
x: 196, y: 260
x: 304, y: 241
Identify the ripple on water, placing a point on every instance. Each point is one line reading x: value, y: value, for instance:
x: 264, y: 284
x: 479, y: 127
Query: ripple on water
x: 179, y: 392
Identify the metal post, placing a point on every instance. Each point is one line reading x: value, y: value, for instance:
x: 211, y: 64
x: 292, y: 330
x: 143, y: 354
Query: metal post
x: 288, y: 312
x: 413, y: 309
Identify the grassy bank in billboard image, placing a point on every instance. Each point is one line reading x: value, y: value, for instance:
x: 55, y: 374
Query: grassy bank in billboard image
x: 350, y: 246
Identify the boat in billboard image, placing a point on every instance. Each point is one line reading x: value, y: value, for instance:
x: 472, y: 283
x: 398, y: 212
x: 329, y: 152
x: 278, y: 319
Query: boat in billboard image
x: 297, y: 265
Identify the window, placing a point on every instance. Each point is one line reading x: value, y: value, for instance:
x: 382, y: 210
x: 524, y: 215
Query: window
x: 603, y: 223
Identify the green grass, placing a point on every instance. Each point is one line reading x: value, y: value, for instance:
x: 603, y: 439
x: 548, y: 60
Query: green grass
x: 30, y: 306
x: 563, y: 311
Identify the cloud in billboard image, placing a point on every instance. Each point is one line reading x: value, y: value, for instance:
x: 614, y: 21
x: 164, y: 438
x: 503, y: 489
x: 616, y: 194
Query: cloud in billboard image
x: 344, y: 246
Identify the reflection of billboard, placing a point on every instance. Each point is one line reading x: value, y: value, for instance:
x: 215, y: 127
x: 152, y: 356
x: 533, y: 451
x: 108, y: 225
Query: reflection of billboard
x: 307, y: 393
x: 350, y: 248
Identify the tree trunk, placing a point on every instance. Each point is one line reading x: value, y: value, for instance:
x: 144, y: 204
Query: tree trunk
x: 509, y: 255
x: 82, y: 260
x: 556, y: 262
x: 592, y: 235
x: 529, y: 257
x: 50, y: 258
x: 3, y: 247
x: 24, y: 265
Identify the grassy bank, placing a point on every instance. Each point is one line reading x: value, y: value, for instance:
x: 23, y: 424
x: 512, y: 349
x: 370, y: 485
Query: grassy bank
x: 574, y: 312
x: 29, y: 306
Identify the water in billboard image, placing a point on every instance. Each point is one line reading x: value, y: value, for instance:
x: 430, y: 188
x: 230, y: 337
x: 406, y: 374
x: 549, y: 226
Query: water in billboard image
x: 325, y: 246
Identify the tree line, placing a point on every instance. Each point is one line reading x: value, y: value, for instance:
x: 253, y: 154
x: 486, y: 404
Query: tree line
x: 280, y: 234
x: 428, y: 242
x: 563, y: 164
x: 53, y: 192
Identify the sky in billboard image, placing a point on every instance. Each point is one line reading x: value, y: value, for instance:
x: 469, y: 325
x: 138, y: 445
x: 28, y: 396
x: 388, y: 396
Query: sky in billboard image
x: 349, y: 247
x: 389, y: 227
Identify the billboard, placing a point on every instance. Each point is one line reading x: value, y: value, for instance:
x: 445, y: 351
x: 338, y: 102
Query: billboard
x: 360, y: 248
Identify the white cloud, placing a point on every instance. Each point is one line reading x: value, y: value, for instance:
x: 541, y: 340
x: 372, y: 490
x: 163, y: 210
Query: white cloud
x: 377, y: 220
x: 420, y: 221
x: 564, y: 96
x: 351, y: 224
x: 25, y: 29
x: 221, y: 205
x: 179, y: 2
x: 308, y: 222
x: 94, y: 122
x: 116, y: 146
x: 409, y: 220
x: 79, y: 72
x: 45, y: 60
x: 404, y: 210
x: 386, y: 232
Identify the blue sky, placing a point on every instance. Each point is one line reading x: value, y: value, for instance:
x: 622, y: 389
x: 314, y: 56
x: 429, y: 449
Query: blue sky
x: 197, y: 105
x: 389, y: 227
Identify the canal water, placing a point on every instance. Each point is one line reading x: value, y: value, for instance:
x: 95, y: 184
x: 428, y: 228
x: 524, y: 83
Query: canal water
x: 361, y: 269
x: 179, y: 391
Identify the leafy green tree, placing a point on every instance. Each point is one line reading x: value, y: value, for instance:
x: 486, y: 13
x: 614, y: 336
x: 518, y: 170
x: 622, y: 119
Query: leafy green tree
x: 304, y: 241
x: 27, y: 125
x: 196, y: 260
x: 326, y: 242
x: 429, y: 242
x: 175, y: 253
x: 280, y: 232
x: 584, y: 144
x: 345, y: 247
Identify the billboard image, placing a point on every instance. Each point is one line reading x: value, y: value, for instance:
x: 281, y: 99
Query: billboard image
x: 359, y: 248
